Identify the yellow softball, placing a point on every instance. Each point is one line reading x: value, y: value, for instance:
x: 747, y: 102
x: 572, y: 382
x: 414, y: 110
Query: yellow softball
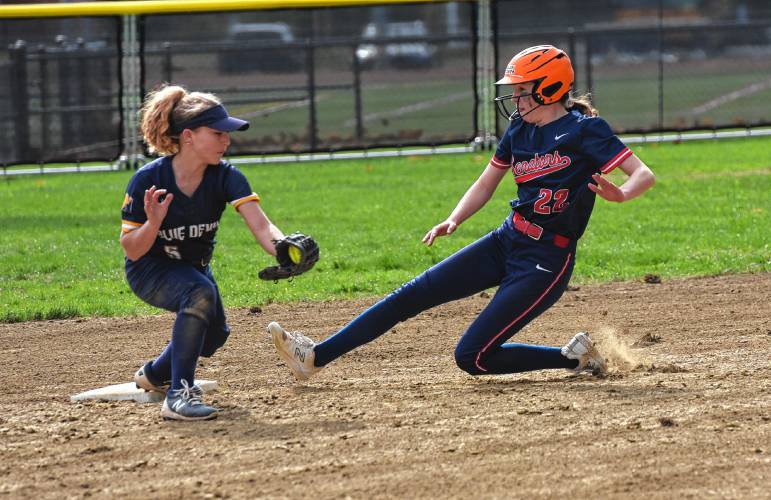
x: 295, y: 255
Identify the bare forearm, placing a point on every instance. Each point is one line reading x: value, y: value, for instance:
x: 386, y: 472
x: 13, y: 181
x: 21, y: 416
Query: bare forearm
x: 264, y: 231
x: 474, y: 199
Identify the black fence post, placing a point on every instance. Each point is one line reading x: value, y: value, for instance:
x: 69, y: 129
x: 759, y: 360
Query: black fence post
x: 84, y: 96
x: 660, y: 32
x: 589, y: 83
x: 167, y: 68
x: 312, y: 126
x: 357, y: 97
x: 20, y: 98
x: 63, y: 59
x: 44, y: 126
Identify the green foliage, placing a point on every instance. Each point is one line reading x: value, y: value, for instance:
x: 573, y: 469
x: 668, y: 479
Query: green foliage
x: 708, y: 214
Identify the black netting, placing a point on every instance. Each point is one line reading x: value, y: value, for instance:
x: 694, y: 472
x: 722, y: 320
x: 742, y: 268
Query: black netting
x: 326, y: 79
x: 61, y: 90
x: 387, y: 75
x: 654, y: 66
x: 8, y: 149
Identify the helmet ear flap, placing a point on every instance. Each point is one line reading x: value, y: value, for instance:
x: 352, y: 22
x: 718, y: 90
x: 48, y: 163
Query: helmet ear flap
x: 549, y: 91
x: 536, y: 94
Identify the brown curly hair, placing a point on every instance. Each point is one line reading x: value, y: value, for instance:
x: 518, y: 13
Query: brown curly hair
x: 167, y: 104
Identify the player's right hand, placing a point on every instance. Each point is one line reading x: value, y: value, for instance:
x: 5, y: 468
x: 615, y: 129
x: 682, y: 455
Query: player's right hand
x: 444, y: 229
x: 155, y: 209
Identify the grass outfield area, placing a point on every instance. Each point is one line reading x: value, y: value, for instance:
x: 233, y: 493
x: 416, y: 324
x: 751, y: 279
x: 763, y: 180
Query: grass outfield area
x: 708, y: 214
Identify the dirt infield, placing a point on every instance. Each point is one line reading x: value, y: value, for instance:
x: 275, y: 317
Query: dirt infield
x: 684, y: 413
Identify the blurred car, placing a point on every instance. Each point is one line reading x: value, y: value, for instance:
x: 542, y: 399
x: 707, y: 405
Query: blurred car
x: 409, y: 54
x: 243, y: 52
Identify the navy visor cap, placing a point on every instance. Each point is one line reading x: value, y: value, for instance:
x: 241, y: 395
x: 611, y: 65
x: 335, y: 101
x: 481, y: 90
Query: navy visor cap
x: 216, y: 118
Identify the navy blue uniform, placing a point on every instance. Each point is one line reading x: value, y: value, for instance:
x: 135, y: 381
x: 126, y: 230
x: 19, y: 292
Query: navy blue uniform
x: 187, y: 233
x: 553, y: 165
x: 530, y: 257
x: 174, y: 274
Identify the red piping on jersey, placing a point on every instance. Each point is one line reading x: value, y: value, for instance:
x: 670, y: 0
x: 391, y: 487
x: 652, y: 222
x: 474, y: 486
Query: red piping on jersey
x: 498, y: 163
x: 616, y: 160
x: 559, y: 276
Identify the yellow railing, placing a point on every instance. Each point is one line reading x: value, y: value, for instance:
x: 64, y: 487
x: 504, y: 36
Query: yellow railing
x: 172, y: 6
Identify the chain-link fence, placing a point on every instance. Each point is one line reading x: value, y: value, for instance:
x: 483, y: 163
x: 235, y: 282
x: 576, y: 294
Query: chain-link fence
x: 347, y: 78
x: 314, y: 80
x: 653, y: 66
x: 62, y: 94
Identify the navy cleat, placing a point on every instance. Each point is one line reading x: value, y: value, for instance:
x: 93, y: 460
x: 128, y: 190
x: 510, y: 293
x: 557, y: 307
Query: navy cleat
x: 186, y: 404
x: 144, y: 379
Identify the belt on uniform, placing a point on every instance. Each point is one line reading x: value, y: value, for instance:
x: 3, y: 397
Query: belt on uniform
x: 535, y: 231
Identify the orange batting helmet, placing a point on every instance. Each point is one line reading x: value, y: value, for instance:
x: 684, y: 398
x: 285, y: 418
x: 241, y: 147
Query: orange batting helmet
x: 548, y: 67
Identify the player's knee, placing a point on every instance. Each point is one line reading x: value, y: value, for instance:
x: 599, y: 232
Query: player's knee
x: 214, y: 340
x: 467, y: 360
x: 202, y: 299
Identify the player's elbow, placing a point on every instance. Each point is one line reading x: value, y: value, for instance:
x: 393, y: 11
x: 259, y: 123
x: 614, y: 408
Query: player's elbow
x: 650, y: 177
x: 132, y: 255
x: 130, y: 250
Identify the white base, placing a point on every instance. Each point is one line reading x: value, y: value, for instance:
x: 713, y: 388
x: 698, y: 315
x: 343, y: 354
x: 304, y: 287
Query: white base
x: 129, y: 392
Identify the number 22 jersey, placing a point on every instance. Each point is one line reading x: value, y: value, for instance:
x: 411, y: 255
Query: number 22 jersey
x: 553, y: 165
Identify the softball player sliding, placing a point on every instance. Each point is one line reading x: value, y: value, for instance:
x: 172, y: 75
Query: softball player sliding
x: 557, y: 149
x: 170, y: 214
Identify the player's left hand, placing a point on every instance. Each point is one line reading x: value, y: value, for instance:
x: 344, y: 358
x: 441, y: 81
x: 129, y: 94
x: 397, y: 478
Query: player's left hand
x: 296, y: 254
x: 444, y: 229
x: 606, y: 189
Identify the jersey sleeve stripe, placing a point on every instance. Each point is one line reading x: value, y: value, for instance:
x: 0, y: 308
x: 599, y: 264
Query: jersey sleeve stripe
x: 240, y: 201
x: 495, y: 162
x: 616, y: 160
x: 127, y: 226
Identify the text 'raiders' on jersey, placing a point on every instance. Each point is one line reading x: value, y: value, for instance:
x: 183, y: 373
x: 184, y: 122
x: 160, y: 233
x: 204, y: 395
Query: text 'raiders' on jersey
x: 553, y: 166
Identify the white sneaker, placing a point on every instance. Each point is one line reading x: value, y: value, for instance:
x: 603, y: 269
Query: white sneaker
x: 582, y: 348
x: 142, y: 380
x: 295, y: 349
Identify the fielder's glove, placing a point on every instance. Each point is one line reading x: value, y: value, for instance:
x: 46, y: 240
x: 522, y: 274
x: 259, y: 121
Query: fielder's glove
x: 296, y: 254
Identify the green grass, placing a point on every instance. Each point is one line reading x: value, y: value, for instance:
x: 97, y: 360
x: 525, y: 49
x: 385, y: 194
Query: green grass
x: 708, y: 214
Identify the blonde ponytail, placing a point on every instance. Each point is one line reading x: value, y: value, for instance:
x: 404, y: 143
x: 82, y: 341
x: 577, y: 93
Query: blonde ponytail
x: 166, y: 105
x: 581, y: 103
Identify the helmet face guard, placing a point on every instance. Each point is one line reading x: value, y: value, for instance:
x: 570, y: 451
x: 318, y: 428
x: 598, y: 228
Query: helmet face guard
x: 550, y: 70
x: 503, y: 110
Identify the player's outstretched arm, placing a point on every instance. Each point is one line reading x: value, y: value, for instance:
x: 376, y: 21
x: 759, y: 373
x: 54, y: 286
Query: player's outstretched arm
x: 475, y: 198
x: 261, y: 227
x: 640, y: 180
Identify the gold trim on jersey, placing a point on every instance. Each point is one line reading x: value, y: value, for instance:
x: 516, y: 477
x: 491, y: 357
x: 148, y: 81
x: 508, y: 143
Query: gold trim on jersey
x: 128, y: 225
x: 240, y: 201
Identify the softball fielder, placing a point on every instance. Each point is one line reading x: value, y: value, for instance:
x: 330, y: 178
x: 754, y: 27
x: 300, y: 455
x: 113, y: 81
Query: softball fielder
x: 557, y: 149
x: 171, y: 214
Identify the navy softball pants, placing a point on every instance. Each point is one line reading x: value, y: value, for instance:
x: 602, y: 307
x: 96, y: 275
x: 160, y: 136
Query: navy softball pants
x: 531, y: 276
x: 200, y: 328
